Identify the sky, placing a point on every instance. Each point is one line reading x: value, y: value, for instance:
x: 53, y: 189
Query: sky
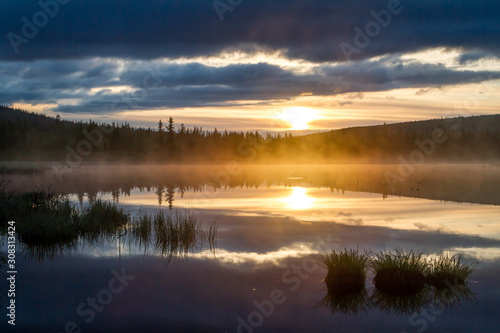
x: 271, y: 65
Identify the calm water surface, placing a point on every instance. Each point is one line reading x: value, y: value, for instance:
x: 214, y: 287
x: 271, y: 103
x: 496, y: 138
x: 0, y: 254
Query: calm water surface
x: 261, y: 277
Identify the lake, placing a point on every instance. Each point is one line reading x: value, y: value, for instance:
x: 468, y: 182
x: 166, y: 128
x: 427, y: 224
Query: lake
x: 260, y: 273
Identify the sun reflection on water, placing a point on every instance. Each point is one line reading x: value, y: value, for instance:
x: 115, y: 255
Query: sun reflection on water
x: 298, y: 199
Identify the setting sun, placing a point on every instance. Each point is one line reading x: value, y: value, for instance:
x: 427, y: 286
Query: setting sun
x: 298, y: 118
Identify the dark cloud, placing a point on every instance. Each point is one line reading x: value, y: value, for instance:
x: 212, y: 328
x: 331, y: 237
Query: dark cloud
x: 308, y: 29
x: 104, y: 44
x: 160, y: 85
x: 475, y: 55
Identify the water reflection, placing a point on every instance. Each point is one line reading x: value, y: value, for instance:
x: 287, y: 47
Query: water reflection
x: 351, y: 301
x: 346, y: 299
x: 267, y: 222
x: 437, y: 182
x: 298, y: 199
x: 165, y: 235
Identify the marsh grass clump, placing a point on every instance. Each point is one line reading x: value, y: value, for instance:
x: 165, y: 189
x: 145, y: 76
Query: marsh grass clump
x: 101, y: 219
x: 171, y: 234
x: 346, y: 268
x: 44, y: 218
x: 400, y: 273
x: 141, y: 229
x: 345, y: 281
x: 446, y: 271
x: 175, y: 233
x: 212, y: 236
x: 49, y: 225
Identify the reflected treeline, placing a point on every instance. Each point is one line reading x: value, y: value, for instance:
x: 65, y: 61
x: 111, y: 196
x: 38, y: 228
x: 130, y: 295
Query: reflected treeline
x: 28, y: 135
x: 459, y: 183
x: 405, y: 283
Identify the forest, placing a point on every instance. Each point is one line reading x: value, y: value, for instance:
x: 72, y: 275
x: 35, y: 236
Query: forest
x: 30, y: 136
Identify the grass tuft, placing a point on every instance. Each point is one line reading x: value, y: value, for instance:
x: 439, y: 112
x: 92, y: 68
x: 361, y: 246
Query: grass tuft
x: 448, y: 271
x: 345, y: 267
x: 101, y: 219
x: 399, y: 273
x: 171, y: 234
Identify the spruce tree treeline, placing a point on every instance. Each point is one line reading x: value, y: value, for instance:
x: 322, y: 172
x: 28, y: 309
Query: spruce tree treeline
x: 28, y: 135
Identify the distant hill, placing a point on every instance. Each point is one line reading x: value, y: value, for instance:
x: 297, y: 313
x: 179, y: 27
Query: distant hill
x: 460, y: 138
x: 30, y: 136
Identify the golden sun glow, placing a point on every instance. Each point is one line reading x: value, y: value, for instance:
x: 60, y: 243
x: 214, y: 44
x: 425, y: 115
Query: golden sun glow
x: 298, y: 118
x: 299, y: 199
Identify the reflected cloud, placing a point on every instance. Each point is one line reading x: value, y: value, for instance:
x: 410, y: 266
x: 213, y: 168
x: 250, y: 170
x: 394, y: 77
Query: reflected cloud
x: 242, y: 258
x: 480, y: 253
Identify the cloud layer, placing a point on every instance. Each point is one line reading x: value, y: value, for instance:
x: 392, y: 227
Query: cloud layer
x: 311, y: 30
x: 108, y: 56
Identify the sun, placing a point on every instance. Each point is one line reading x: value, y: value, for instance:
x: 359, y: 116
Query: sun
x: 298, y: 118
